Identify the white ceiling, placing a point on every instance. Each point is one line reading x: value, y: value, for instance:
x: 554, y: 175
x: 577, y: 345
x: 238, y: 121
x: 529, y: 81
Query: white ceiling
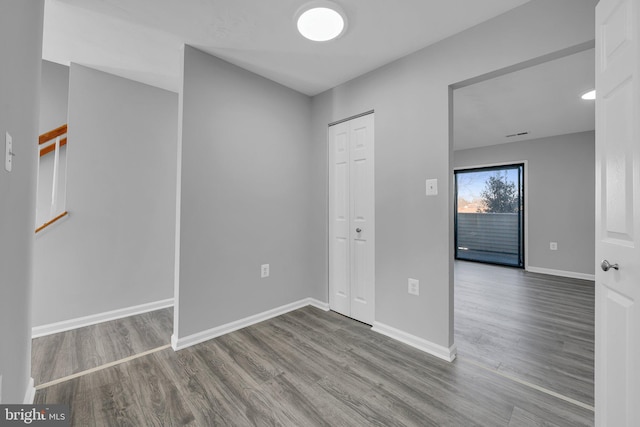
x: 543, y: 100
x: 141, y: 39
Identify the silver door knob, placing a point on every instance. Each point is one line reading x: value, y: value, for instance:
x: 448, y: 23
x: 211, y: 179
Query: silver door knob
x: 358, y: 230
x: 605, y: 265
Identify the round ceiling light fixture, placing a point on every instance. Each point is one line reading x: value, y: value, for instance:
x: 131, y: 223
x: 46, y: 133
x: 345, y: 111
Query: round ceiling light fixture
x: 589, y: 96
x: 321, y: 21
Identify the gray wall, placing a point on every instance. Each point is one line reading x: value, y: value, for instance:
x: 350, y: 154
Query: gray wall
x: 561, y: 197
x: 414, y: 233
x: 245, y: 198
x: 54, y: 96
x: 20, y: 50
x: 116, y: 249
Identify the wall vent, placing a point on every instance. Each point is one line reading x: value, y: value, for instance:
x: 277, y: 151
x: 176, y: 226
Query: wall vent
x: 517, y: 134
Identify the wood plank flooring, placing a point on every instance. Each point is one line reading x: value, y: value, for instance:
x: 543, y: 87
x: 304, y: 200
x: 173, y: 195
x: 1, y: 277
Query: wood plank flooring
x: 305, y: 368
x: 59, y: 355
x: 534, y: 327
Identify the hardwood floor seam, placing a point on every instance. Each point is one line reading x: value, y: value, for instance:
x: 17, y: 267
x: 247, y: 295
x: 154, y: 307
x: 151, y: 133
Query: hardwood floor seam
x: 101, y: 367
x: 530, y: 385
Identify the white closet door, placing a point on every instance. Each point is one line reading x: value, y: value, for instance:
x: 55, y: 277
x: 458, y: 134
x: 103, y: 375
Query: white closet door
x: 352, y: 225
x: 339, y: 220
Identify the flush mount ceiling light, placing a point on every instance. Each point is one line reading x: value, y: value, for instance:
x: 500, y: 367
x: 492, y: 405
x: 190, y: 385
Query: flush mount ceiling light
x: 321, y: 21
x: 591, y: 95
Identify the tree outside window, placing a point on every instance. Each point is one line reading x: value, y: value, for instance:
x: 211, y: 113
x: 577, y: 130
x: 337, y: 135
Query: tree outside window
x: 499, y: 195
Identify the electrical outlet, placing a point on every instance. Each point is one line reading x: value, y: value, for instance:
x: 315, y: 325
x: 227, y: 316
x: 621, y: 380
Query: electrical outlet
x: 8, y: 152
x: 264, y: 271
x: 553, y: 246
x: 414, y: 287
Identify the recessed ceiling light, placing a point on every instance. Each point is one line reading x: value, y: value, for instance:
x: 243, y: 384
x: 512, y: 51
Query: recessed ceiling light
x: 591, y: 95
x: 321, y: 21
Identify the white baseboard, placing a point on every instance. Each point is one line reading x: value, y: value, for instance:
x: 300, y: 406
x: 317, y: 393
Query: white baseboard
x: 448, y: 354
x: 197, y: 338
x: 318, y: 304
x: 562, y: 273
x: 30, y: 394
x: 66, y: 325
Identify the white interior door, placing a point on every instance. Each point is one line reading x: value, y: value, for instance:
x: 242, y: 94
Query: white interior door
x: 351, y: 223
x: 617, y: 371
x: 339, y: 219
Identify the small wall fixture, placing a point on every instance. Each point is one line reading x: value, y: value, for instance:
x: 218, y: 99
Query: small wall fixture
x: 321, y: 21
x: 589, y: 96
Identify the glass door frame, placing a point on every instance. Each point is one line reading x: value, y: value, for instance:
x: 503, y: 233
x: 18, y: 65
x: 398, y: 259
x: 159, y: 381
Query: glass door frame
x: 523, y: 220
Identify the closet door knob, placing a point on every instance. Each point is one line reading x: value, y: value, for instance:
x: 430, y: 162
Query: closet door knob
x: 605, y: 265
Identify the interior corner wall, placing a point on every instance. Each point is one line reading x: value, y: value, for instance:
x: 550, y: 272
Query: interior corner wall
x: 245, y: 198
x: 116, y: 249
x: 561, y: 197
x: 411, y: 100
x: 54, y: 96
x: 21, y: 53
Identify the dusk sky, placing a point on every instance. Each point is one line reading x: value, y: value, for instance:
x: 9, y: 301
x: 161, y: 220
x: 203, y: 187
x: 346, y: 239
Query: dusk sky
x: 471, y: 184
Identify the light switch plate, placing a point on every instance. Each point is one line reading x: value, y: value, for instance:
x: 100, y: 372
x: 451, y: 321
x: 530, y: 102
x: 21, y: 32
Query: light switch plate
x: 432, y: 187
x: 8, y: 152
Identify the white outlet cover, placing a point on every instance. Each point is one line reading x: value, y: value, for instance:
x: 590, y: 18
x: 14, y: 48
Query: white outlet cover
x: 553, y: 246
x: 432, y: 187
x: 414, y: 287
x: 264, y: 270
x: 8, y: 152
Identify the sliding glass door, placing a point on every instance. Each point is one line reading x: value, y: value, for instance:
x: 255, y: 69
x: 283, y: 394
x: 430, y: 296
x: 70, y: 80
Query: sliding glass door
x: 489, y: 215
